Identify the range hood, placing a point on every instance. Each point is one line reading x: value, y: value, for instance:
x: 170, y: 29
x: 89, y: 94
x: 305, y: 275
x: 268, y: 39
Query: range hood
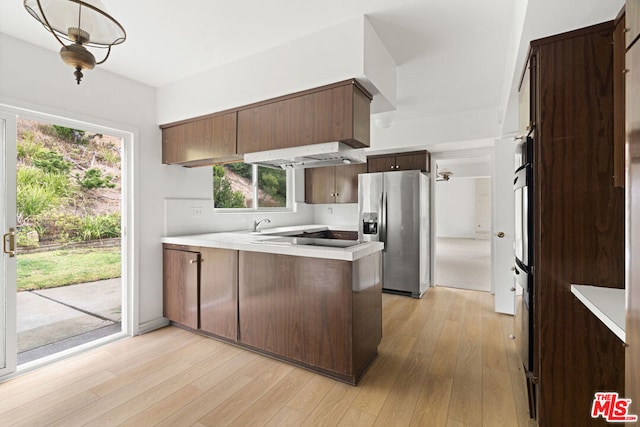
x: 308, y: 156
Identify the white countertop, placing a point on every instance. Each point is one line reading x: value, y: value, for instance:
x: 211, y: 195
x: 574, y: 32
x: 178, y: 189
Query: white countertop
x: 242, y: 240
x: 608, y: 304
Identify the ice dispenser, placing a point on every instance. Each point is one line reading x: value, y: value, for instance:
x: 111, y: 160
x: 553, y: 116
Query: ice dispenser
x: 369, y: 223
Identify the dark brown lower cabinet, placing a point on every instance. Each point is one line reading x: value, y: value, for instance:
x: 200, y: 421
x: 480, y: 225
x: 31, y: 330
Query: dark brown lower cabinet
x: 201, y: 289
x: 320, y: 313
x: 219, y: 292
x: 180, y: 286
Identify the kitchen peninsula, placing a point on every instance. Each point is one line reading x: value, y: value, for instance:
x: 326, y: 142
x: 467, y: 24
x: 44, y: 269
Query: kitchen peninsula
x: 315, y: 302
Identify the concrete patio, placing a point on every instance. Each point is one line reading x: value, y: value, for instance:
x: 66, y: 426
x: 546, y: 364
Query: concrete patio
x: 53, y: 320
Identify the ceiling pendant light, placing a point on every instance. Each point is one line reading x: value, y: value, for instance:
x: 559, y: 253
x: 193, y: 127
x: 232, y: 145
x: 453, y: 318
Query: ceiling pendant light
x: 84, y: 24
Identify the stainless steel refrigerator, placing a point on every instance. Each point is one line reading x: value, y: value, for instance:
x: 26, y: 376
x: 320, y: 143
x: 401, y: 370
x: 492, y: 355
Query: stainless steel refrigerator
x: 394, y: 209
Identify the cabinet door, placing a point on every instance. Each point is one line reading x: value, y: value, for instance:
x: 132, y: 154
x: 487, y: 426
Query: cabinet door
x: 618, y: 103
x: 347, y: 182
x: 297, y: 307
x: 412, y: 161
x: 219, y: 292
x: 222, y: 141
x: 524, y: 102
x: 180, y: 287
x: 319, y: 185
x: 200, y: 142
x: 632, y: 12
x: 173, y: 148
x: 381, y: 163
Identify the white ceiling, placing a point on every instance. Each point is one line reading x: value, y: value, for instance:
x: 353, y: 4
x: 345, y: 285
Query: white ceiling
x: 454, y: 57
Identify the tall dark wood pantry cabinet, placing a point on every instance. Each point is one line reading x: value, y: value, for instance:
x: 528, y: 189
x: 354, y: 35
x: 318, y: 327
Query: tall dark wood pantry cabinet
x: 632, y: 86
x: 578, y: 222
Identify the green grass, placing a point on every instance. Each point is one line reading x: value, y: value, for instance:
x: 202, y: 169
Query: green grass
x: 67, y: 267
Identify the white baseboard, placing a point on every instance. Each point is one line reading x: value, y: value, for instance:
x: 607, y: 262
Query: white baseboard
x: 152, y: 325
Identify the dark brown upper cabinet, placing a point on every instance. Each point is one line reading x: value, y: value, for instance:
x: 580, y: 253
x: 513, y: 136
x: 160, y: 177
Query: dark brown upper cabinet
x: 415, y: 160
x: 338, y: 112
x: 201, y: 142
x: 632, y: 26
x: 334, y: 184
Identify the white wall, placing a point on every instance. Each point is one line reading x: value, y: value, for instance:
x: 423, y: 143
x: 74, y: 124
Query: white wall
x: 180, y: 218
x: 483, y: 208
x: 343, y: 215
x: 455, y: 206
x: 328, y: 56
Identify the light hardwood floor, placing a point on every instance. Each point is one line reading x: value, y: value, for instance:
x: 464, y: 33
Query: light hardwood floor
x: 444, y: 360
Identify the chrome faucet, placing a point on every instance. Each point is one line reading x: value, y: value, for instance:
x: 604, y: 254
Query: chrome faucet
x: 256, y: 223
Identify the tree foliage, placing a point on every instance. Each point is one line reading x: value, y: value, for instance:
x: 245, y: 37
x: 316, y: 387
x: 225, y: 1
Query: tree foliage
x: 223, y: 195
x: 70, y: 135
x: 274, y: 183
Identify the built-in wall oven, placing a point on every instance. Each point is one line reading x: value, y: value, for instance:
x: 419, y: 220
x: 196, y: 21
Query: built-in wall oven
x: 523, y: 262
x: 522, y: 266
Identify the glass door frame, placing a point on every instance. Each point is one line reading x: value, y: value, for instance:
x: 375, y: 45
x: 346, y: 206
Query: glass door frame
x: 8, y: 292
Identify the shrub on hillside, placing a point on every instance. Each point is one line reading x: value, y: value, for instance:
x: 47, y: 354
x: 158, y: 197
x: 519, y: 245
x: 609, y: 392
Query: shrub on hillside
x: 27, y: 146
x: 38, y: 191
x: 51, y: 162
x: 73, y: 228
x: 69, y: 134
x: 101, y: 226
x: 27, y: 237
x: 93, y: 179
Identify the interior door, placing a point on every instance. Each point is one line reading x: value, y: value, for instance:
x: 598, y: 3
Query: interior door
x: 8, y: 343
x: 503, y: 226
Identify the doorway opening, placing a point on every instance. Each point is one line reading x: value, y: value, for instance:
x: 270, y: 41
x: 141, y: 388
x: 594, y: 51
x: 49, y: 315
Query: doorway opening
x: 463, y: 224
x: 69, y: 227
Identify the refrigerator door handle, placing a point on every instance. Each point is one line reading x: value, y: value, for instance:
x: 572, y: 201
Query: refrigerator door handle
x: 383, y: 221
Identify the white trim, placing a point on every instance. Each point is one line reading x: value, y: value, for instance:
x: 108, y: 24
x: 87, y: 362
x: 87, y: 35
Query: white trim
x: 291, y: 204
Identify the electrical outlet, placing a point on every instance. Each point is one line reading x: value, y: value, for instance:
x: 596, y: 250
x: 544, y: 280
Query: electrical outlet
x: 196, y: 211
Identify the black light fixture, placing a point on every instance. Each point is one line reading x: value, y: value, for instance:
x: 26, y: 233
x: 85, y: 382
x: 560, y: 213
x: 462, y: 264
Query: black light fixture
x: 83, y: 24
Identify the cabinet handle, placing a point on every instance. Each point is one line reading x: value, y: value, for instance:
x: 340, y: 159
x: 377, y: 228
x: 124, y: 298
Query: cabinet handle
x: 626, y: 30
x: 392, y: 166
x: 512, y: 337
x: 625, y: 71
x: 512, y: 289
x: 337, y: 194
x: 193, y: 261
